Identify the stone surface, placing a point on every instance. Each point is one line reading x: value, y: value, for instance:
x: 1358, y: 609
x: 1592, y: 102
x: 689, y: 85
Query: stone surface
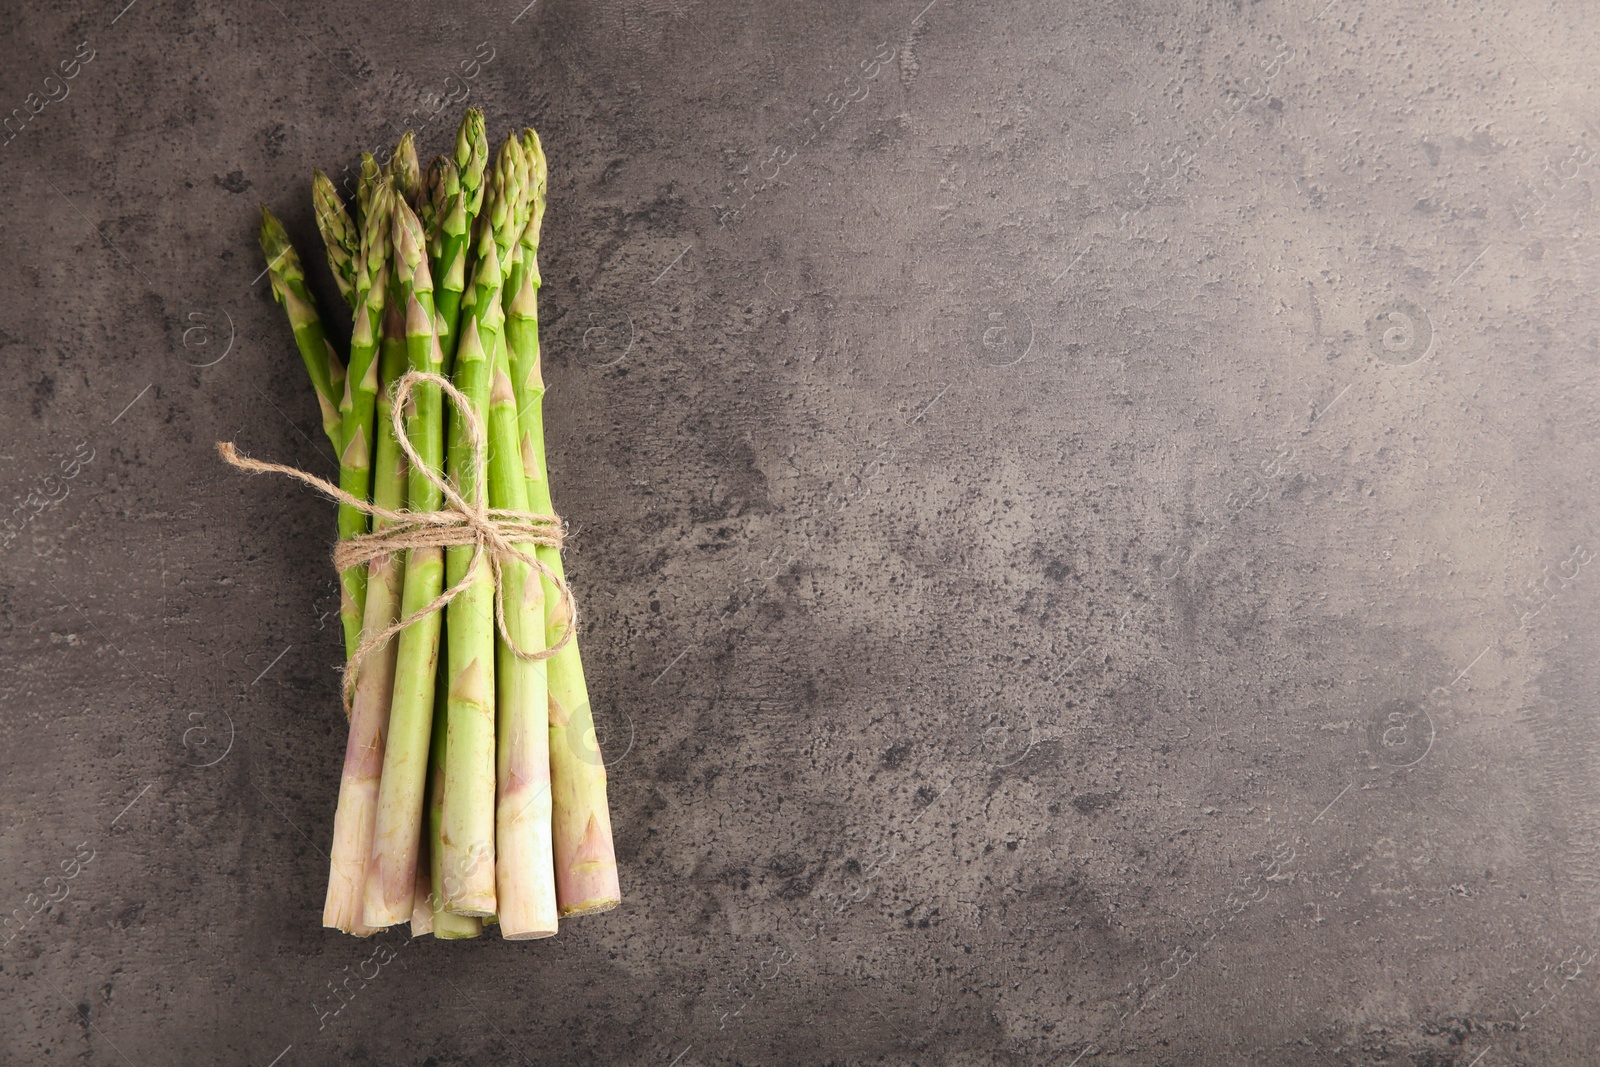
x: 1082, y: 515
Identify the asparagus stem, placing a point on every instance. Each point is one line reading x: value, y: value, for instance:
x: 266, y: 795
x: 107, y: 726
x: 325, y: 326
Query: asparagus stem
x: 354, y: 822
x: 469, y: 785
x: 446, y: 924
x: 502, y: 211
x: 456, y: 219
x: 524, y: 870
x: 392, y: 875
x: 367, y: 182
x: 358, y: 406
x: 289, y: 289
x: 468, y: 834
x: 445, y: 185
x: 429, y: 202
x: 405, y: 171
x: 585, y: 857
x: 339, y: 235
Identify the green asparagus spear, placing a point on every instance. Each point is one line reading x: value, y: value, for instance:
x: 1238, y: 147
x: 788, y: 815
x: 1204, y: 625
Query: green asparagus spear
x: 429, y: 203
x: 289, y: 288
x: 391, y: 878
x: 504, y: 213
x: 339, y: 234
x: 468, y: 839
x: 524, y: 866
x: 367, y: 182
x: 355, y: 820
x: 450, y: 271
x: 585, y: 857
x: 405, y: 171
x: 359, y: 403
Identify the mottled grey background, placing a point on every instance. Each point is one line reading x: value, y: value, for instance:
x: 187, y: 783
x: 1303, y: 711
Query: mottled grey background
x: 1082, y: 512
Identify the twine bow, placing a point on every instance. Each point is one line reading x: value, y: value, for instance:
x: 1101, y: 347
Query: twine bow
x: 494, y: 533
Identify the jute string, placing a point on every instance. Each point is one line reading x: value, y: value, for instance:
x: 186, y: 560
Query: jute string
x: 494, y: 533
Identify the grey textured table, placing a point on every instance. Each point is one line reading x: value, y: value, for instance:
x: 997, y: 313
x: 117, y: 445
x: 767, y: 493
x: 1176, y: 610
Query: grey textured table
x: 1082, y: 512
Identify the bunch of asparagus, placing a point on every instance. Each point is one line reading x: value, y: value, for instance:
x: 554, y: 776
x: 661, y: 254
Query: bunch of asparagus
x: 473, y: 790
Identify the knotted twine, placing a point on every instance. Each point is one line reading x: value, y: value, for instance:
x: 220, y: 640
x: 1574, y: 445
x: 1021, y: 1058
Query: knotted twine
x: 494, y: 533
